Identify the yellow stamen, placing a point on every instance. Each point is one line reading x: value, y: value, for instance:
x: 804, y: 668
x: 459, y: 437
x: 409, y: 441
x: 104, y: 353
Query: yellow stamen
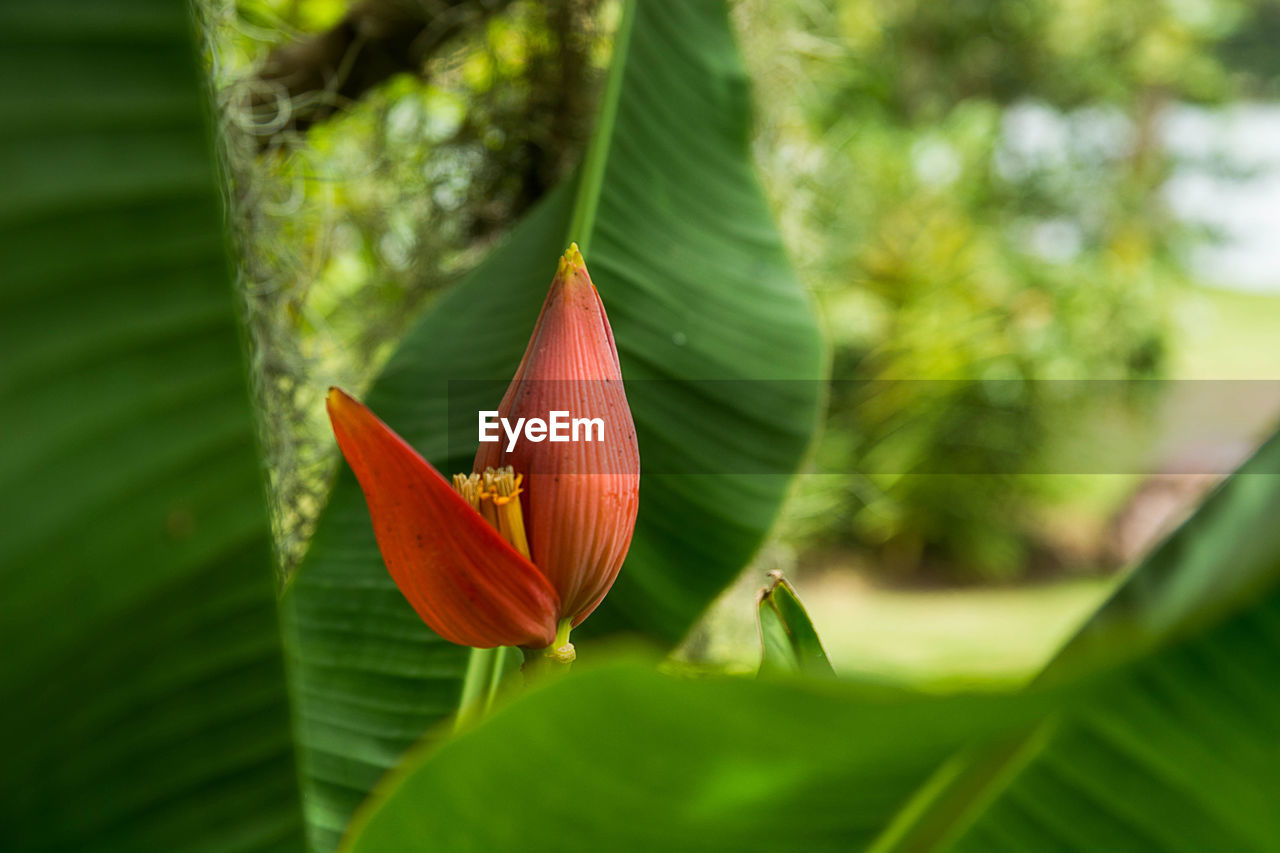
x: 468, y: 485
x: 471, y: 487
x: 503, y: 489
x: 495, y: 494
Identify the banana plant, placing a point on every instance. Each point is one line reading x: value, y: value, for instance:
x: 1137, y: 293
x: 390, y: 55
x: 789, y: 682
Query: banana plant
x: 155, y: 694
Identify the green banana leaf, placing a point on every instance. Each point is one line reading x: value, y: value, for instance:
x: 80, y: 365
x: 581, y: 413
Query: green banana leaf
x: 621, y: 758
x: 1167, y: 743
x: 680, y: 243
x: 1179, y: 754
x: 142, y: 691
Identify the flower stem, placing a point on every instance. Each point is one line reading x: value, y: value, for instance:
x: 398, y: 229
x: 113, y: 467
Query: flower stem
x: 555, y: 658
x: 485, y: 668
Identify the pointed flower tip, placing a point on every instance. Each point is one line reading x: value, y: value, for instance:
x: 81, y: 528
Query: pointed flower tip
x: 338, y: 403
x: 333, y: 398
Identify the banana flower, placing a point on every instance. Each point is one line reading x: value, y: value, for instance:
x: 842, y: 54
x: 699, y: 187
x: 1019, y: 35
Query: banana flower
x: 524, y: 547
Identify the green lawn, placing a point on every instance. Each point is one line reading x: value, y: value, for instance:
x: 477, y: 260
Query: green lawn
x: 947, y: 638
x: 934, y: 639
x: 1224, y: 334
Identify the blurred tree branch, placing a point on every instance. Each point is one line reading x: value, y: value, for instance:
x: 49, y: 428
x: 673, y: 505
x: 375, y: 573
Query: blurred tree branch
x: 306, y: 81
x: 344, y: 238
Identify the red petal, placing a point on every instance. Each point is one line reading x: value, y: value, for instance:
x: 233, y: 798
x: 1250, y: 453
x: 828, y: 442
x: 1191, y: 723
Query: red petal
x: 581, y: 497
x: 465, y: 581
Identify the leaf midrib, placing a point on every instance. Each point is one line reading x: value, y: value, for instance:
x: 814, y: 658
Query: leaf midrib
x: 591, y: 182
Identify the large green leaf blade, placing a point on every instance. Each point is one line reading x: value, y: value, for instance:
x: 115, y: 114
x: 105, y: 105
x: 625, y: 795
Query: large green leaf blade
x: 700, y: 296
x: 1182, y: 754
x: 623, y: 759
x: 714, y: 332
x: 1224, y: 558
x: 142, y: 692
x: 1179, y: 753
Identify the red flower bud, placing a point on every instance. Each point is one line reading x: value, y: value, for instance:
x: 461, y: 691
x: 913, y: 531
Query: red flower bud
x: 462, y: 560
x: 582, y: 495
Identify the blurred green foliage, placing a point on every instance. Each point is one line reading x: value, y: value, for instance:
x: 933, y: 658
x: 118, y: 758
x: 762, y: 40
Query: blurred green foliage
x: 974, y: 191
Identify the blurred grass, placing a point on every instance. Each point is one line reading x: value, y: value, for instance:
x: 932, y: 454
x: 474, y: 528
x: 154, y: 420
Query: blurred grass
x: 930, y: 638
x: 1226, y: 334
x: 947, y: 638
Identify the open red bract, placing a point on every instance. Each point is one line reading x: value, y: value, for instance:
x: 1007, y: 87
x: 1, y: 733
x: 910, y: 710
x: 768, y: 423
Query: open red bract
x: 466, y: 582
